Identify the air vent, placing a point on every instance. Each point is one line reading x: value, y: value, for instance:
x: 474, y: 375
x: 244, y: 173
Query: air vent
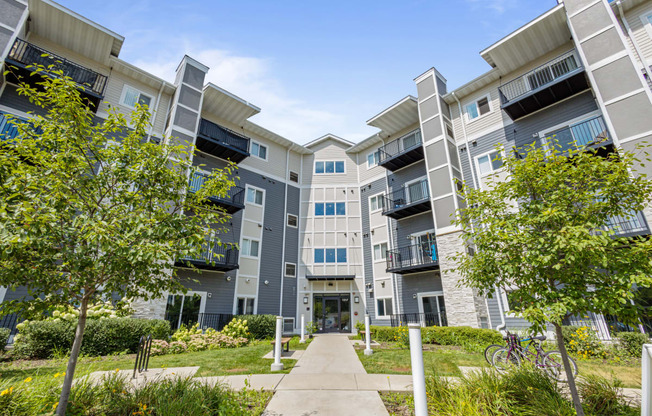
x: 294, y: 177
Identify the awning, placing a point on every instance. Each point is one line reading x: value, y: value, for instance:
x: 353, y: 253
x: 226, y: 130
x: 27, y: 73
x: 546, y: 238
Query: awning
x: 331, y: 277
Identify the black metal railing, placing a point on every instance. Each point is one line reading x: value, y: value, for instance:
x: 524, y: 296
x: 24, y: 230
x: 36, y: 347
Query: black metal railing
x: 400, y: 145
x: 414, y: 255
x: 407, y: 195
x: 606, y: 326
x: 214, y: 252
x: 540, y: 76
x: 632, y: 223
x: 217, y: 321
x: 10, y: 321
x: 223, y: 135
x: 142, y: 354
x: 25, y: 53
x: 234, y: 196
x: 424, y: 319
x: 585, y: 133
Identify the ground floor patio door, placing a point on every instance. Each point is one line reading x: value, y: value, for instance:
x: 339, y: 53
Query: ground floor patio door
x: 332, y: 312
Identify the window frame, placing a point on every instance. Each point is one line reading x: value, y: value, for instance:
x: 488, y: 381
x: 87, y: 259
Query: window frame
x: 123, y: 95
x: 476, y: 161
x: 249, y: 187
x: 647, y: 25
x: 248, y: 255
x: 259, y: 144
x: 475, y: 101
x: 384, y: 315
x: 380, y: 195
x: 325, y: 209
x: 246, y: 300
x: 326, y: 252
x: 335, y: 162
x: 383, y: 257
x: 376, y: 159
x: 290, y: 176
x: 285, y: 269
x: 288, y: 220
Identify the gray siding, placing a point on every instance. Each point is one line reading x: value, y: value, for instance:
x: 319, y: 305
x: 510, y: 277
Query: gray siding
x: 11, y: 99
x: 221, y: 291
x: 411, y: 284
x: 291, y: 255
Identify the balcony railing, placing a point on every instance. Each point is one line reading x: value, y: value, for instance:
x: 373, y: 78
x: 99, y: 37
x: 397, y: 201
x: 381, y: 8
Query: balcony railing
x: 401, y: 152
x: 408, y: 200
x: 413, y: 258
x: 215, y: 257
x: 424, y: 319
x: 586, y: 133
x: 23, y: 54
x: 233, y: 201
x: 217, y: 321
x: 628, y: 225
x: 222, y: 142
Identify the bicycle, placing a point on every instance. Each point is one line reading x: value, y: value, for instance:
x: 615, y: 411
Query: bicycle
x: 512, y: 355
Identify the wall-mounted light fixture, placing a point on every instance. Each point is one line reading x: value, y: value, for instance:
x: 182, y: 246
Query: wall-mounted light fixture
x: 356, y: 299
x: 228, y: 278
x: 248, y: 280
x: 305, y: 300
x: 266, y: 282
x: 210, y: 295
x: 382, y: 284
x: 414, y: 296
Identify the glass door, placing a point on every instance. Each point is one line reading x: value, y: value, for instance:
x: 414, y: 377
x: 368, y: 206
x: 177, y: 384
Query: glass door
x: 184, y: 309
x: 331, y: 314
x: 434, y: 310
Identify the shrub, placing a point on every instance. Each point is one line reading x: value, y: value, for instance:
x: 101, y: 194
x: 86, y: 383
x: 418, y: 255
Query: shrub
x: 631, y: 343
x: 583, y: 342
x: 603, y: 397
x: 237, y: 328
x: 472, y: 339
x: 40, y: 339
x: 260, y: 326
x: 4, y: 337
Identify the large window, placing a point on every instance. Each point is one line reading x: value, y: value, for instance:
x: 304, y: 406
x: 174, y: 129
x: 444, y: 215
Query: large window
x: 245, y: 306
x: 478, y: 108
x: 489, y: 162
x: 376, y: 203
x: 330, y: 255
x: 249, y: 247
x: 254, y: 196
x: 373, y: 159
x: 380, y: 251
x: 327, y: 167
x: 384, y: 307
x: 330, y: 208
x: 259, y: 150
x: 131, y: 96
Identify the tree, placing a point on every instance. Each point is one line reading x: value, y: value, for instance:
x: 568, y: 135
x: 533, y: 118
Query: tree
x: 544, y: 234
x: 93, y: 208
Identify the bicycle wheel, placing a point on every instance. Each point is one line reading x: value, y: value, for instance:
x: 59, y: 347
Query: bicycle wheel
x: 489, y: 352
x: 504, y: 360
x: 554, y: 366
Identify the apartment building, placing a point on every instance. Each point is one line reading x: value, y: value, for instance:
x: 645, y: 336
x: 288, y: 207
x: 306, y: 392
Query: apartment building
x: 332, y: 230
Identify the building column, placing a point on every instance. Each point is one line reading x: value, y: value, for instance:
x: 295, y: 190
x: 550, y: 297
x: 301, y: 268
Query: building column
x: 444, y: 172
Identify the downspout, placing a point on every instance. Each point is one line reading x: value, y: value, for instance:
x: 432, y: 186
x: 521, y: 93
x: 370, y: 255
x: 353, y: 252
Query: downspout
x: 285, y: 226
x: 634, y: 42
x: 476, y: 185
x: 158, y: 100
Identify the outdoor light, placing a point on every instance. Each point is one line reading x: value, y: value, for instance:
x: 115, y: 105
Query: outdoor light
x: 228, y: 278
x: 266, y: 282
x: 356, y: 299
x: 305, y: 300
x: 414, y: 296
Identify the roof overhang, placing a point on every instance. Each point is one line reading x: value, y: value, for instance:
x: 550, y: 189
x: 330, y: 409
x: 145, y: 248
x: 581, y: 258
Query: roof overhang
x: 52, y: 21
x: 227, y: 106
x: 626, y: 4
x: 366, y: 143
x: 270, y: 135
x: 329, y: 137
x: 397, y: 117
x: 331, y: 277
x: 531, y: 41
x: 140, y: 75
x: 473, y: 85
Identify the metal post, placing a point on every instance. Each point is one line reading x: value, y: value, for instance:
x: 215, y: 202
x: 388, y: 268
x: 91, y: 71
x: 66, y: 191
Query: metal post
x: 646, y: 382
x: 278, y: 365
x: 418, y: 374
x: 367, y: 335
x: 303, y: 330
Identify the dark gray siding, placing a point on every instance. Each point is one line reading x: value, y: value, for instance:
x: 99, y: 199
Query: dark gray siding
x: 411, y: 284
x: 19, y: 293
x: 291, y: 255
x: 221, y: 291
x: 11, y: 99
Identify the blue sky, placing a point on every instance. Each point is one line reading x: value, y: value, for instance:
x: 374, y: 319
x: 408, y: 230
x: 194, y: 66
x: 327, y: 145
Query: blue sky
x: 314, y: 67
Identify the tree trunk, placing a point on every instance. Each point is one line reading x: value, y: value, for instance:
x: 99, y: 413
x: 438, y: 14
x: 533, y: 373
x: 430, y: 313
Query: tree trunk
x: 72, y: 361
x: 569, y: 371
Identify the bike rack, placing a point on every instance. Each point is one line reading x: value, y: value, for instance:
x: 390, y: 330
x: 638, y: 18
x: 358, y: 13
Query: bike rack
x: 143, y: 353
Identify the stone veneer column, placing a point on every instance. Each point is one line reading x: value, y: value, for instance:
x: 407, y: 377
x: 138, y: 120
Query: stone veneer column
x: 443, y: 166
x: 182, y: 126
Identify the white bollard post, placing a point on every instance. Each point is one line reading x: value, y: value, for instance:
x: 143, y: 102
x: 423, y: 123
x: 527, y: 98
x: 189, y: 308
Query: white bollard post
x: 278, y: 365
x: 303, y: 330
x: 646, y: 381
x: 418, y: 374
x: 367, y: 335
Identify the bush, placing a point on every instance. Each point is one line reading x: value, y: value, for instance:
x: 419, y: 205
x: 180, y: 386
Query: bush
x: 237, y: 328
x: 603, y: 397
x: 260, y: 326
x: 40, y: 339
x: 583, y: 342
x: 472, y: 339
x: 4, y: 337
x: 631, y: 343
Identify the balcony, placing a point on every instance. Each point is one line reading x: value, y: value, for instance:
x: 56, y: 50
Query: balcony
x: 545, y: 85
x: 588, y: 133
x: 629, y: 225
x: 232, y: 202
x: 410, y: 200
x: 413, y: 258
x: 222, y: 142
x: 24, y: 56
x: 213, y: 257
x: 402, y: 152
x: 8, y: 131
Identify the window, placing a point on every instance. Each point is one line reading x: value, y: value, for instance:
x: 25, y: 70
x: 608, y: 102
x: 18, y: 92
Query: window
x: 259, y: 150
x: 384, y: 307
x: 131, y: 96
x: 490, y: 162
x: 478, y: 108
x: 380, y: 251
x: 294, y: 177
x: 290, y: 270
x: 185, y: 309
x: 376, y: 202
x: 245, y: 306
x: 254, y: 196
x: 329, y: 167
x: 249, y: 247
x: 293, y: 220
x: 330, y: 208
x: 330, y: 255
x: 373, y: 159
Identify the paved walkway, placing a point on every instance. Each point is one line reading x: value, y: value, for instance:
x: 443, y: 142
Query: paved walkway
x: 325, y: 382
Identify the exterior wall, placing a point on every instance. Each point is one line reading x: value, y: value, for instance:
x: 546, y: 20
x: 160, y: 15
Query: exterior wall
x: 330, y: 150
x: 13, y: 15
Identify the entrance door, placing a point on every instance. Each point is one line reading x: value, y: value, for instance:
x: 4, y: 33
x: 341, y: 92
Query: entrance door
x: 185, y: 309
x: 433, y: 309
x: 332, y: 313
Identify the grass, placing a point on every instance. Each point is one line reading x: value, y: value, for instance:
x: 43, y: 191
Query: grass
x: 444, y: 361
x: 228, y: 361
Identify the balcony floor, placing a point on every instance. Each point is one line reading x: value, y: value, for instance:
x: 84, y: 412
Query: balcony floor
x: 415, y: 268
x: 409, y: 209
x: 220, y: 149
x: 201, y: 264
x: 403, y: 159
x: 229, y: 207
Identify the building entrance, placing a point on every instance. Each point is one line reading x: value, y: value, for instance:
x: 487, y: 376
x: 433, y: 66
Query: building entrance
x: 332, y: 312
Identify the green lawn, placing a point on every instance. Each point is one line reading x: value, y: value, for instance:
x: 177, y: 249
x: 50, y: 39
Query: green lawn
x: 444, y: 361
x: 245, y: 360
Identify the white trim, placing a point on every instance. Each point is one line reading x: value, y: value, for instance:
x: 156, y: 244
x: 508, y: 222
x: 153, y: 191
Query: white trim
x: 314, y: 167
x: 477, y: 164
x: 384, y: 298
x: 373, y: 251
x: 248, y: 256
x: 624, y: 96
x: 475, y: 101
x: 381, y: 194
x: 285, y: 268
x: 567, y: 123
x: 259, y: 144
x: 438, y: 167
x: 608, y: 60
x: 202, y: 303
x: 637, y: 136
x: 421, y: 295
x: 3, y: 293
x: 246, y: 297
x: 247, y: 187
x: 584, y: 8
x: 123, y: 95
x: 647, y: 25
x: 199, y: 90
x: 376, y: 161
x: 592, y: 35
x: 287, y: 223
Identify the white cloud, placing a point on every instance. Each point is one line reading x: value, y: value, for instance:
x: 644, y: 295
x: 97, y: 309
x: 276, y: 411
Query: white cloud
x: 251, y: 79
